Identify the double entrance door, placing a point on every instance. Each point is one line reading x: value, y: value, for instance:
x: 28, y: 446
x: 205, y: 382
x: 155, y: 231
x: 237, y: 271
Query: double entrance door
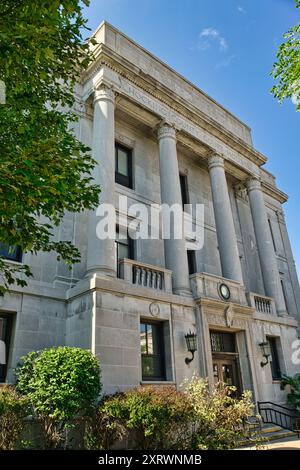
x: 225, y: 370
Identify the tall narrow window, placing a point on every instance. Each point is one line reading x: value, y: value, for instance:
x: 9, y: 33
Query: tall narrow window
x: 184, y: 189
x: 272, y: 234
x: 13, y: 253
x: 123, y: 169
x: 5, y: 335
x: 284, y: 293
x: 152, y: 351
x: 191, y: 256
x: 275, y: 364
x: 124, y: 248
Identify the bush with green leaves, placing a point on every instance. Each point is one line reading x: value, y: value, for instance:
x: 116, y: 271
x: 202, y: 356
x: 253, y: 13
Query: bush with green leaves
x: 150, y: 417
x: 13, y: 409
x: 293, y: 397
x: 62, y: 385
x: 219, y: 415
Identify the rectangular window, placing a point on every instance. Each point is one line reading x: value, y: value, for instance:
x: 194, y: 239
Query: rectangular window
x: 152, y: 351
x: 284, y: 293
x: 124, y: 248
x: 275, y: 364
x: 13, y: 253
x: 184, y: 190
x: 191, y: 255
x: 272, y: 234
x: 5, y: 336
x: 123, y: 165
x: 222, y: 342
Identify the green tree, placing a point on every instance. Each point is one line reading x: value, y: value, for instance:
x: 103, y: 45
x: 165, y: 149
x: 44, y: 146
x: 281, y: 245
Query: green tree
x: 62, y: 385
x: 286, y: 69
x: 44, y: 169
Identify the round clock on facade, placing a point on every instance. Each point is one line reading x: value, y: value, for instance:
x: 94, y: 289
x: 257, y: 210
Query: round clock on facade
x: 224, y: 291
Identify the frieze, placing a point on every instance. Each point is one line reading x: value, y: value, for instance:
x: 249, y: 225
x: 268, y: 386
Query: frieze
x: 223, y: 320
x: 183, y: 124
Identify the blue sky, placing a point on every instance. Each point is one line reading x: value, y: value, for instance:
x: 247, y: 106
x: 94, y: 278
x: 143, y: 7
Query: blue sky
x: 227, y: 48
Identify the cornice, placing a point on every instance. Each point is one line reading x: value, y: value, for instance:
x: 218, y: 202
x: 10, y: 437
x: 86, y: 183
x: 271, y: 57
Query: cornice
x: 106, y: 57
x: 274, y: 192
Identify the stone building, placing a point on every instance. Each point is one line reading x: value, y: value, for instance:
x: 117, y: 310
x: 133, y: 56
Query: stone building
x: 159, y: 139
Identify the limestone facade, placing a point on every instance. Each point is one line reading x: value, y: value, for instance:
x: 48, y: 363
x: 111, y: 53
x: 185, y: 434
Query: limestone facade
x: 171, y: 128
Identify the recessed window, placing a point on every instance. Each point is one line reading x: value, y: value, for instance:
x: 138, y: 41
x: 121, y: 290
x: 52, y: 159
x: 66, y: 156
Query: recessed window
x: 124, y: 247
x: 152, y: 351
x: 275, y: 364
x: 272, y: 234
x: 13, y: 253
x: 123, y: 170
x: 284, y: 293
x: 5, y: 337
x: 184, y: 189
x: 191, y: 256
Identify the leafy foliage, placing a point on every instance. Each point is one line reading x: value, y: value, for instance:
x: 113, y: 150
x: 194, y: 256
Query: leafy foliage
x: 13, y: 409
x: 164, y: 418
x: 219, y: 415
x: 44, y: 169
x: 286, y: 69
x: 155, y: 418
x: 293, y: 397
x: 62, y: 384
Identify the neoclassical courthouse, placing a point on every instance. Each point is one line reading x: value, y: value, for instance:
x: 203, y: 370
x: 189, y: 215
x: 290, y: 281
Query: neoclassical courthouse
x: 158, y: 139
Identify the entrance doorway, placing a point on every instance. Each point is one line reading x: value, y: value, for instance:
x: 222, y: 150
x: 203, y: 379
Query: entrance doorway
x: 225, y: 370
x: 225, y: 359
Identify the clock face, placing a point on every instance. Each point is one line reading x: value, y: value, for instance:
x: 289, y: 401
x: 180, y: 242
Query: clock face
x: 224, y: 291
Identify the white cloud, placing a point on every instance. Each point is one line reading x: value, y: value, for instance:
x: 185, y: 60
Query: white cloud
x: 209, y: 35
x: 225, y: 62
x: 241, y: 9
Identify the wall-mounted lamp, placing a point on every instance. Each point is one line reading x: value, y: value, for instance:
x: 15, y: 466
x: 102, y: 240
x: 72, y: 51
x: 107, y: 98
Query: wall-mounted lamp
x: 191, y: 344
x: 266, y: 352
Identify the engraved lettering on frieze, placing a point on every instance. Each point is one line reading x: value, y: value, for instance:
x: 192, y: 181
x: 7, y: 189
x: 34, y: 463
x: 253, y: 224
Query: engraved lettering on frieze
x: 213, y: 319
x: 182, y: 123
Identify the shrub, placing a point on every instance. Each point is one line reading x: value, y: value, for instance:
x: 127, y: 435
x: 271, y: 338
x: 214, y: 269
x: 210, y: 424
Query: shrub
x: 218, y: 414
x: 62, y: 385
x: 155, y: 417
x: 293, y: 398
x: 13, y: 410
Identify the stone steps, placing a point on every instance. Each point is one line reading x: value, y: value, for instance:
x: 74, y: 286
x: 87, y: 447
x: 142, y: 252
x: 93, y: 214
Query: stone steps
x: 271, y: 433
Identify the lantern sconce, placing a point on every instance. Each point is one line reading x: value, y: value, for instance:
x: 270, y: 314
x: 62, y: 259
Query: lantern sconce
x: 191, y: 344
x: 266, y: 352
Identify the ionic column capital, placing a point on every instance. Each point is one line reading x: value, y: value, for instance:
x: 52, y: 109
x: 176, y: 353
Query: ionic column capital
x: 104, y: 93
x: 166, y: 131
x: 253, y: 184
x: 215, y: 160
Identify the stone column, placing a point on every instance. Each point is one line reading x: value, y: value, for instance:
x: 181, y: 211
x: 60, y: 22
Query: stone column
x: 175, y: 250
x: 264, y: 241
x: 229, y: 255
x: 101, y: 253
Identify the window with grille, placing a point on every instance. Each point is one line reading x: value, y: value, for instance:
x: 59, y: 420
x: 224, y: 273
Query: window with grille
x: 222, y: 341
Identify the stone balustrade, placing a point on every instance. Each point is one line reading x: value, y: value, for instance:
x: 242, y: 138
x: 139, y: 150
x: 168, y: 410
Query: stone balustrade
x: 146, y: 275
x: 262, y: 304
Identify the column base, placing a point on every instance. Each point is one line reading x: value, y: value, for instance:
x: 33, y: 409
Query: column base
x: 101, y: 272
x: 183, y: 291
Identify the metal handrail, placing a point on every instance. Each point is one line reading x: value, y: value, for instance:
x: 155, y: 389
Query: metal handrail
x: 280, y: 417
